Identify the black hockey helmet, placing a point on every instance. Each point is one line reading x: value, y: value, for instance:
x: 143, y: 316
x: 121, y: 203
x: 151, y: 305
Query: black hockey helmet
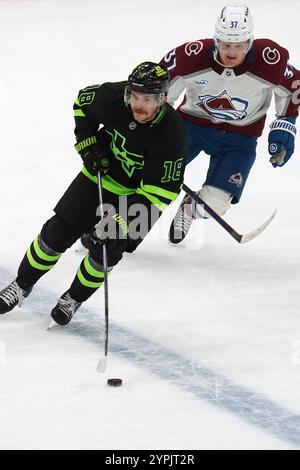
x: 149, y: 77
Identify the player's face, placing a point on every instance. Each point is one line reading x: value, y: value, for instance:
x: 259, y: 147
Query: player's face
x: 144, y: 107
x: 232, y: 54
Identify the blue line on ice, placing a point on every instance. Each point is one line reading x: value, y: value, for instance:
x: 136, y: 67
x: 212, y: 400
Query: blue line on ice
x: 202, y: 382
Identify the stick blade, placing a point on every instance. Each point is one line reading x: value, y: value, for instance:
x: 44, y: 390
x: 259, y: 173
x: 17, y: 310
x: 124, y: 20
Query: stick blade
x: 51, y: 325
x: 249, y: 236
x: 101, y: 367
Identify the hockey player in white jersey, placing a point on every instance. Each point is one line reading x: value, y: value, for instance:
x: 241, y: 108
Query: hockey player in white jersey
x: 229, y: 82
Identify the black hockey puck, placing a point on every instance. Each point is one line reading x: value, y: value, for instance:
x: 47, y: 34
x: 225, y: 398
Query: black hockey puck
x: 114, y: 382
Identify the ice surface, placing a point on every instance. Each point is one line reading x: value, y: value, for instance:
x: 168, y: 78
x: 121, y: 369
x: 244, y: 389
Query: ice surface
x: 205, y: 335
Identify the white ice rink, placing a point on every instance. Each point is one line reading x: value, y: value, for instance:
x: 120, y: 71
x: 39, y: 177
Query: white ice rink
x: 206, y: 334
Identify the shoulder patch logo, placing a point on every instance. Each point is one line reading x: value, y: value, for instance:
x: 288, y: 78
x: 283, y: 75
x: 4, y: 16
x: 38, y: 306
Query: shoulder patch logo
x: 271, y: 56
x: 193, y: 48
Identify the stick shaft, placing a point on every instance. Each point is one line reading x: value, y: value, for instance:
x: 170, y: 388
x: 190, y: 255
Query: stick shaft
x: 105, y: 268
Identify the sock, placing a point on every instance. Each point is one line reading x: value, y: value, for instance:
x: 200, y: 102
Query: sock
x: 38, y: 260
x: 89, y: 278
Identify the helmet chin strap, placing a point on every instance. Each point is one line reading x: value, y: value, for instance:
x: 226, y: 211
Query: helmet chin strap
x: 215, y: 55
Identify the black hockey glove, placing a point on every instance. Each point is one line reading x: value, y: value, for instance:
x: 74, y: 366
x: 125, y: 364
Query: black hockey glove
x: 110, y: 230
x: 114, y: 232
x: 94, y: 159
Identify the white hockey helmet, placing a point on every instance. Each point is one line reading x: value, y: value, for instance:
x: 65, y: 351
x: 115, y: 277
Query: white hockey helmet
x: 234, y: 24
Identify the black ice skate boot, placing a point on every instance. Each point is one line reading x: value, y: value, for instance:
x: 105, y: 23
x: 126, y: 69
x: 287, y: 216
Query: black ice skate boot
x: 13, y: 295
x: 65, y: 309
x: 182, y: 221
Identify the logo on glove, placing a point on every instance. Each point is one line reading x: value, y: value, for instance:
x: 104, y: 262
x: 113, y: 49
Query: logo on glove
x: 273, y: 148
x: 236, y: 179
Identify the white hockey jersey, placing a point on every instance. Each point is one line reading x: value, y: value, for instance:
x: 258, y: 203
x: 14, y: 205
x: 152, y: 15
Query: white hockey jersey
x: 233, y: 99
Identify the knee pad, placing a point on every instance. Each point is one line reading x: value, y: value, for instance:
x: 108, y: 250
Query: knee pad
x: 58, y: 235
x: 216, y: 198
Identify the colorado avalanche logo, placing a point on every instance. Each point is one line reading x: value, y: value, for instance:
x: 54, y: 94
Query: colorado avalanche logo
x: 193, y: 48
x: 236, y: 179
x: 223, y: 107
x: 271, y: 56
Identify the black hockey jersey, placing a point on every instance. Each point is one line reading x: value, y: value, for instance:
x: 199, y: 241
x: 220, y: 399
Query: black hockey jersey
x: 146, y: 160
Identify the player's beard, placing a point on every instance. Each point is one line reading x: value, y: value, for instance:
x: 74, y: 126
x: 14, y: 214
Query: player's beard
x: 143, y: 116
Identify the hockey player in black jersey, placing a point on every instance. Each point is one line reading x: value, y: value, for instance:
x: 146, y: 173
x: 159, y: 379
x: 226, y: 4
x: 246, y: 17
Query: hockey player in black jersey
x: 128, y: 132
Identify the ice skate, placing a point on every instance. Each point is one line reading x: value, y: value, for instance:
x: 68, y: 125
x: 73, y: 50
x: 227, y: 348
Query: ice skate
x: 65, y: 309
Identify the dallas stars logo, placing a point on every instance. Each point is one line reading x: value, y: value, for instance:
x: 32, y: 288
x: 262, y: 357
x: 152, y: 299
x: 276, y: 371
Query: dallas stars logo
x: 129, y: 161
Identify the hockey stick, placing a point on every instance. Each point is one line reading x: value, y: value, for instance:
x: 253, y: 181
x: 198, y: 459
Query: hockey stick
x: 239, y: 238
x: 101, y: 367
